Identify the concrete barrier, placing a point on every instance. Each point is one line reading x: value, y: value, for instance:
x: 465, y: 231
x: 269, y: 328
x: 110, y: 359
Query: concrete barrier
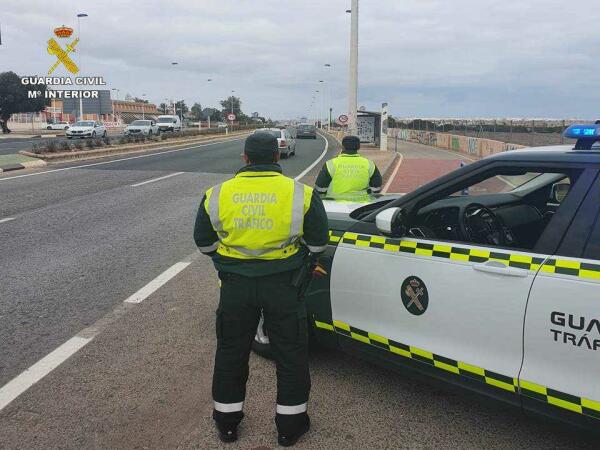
x: 475, y: 148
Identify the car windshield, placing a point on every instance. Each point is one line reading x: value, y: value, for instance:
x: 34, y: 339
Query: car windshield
x: 84, y: 124
x: 276, y: 133
x: 143, y: 123
x: 166, y: 120
x: 306, y: 127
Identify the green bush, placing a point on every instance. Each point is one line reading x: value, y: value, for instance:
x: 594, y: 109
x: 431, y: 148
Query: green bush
x: 65, y: 146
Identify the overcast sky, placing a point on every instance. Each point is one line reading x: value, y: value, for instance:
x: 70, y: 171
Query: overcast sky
x: 432, y: 58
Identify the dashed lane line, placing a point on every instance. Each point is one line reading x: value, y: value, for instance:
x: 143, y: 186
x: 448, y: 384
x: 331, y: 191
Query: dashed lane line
x: 7, y: 219
x: 40, y: 369
x: 157, y: 179
x: 22, y: 382
x: 155, y: 284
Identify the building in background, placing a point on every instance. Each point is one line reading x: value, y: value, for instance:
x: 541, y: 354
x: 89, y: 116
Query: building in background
x: 103, y: 109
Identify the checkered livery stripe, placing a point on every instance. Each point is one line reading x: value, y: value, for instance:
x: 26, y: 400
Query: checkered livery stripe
x: 562, y: 400
x: 457, y: 253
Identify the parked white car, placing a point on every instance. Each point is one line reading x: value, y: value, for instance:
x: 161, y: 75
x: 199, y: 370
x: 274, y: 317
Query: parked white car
x: 168, y: 123
x: 58, y: 125
x: 145, y: 127
x: 86, y: 129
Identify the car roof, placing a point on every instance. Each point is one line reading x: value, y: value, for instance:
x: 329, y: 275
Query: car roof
x: 552, y: 153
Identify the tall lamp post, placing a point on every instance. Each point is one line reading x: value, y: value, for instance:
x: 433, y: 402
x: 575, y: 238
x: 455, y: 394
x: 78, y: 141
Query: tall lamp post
x: 173, y: 64
x: 143, y: 107
x: 208, y: 81
x: 329, y: 108
x: 79, y: 16
x: 113, y: 104
x: 321, y: 109
x: 353, y: 68
x: 232, y: 92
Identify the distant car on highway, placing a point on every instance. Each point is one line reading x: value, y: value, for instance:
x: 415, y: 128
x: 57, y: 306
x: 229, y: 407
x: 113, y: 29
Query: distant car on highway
x: 86, y: 129
x: 285, y: 140
x: 168, y: 123
x: 142, y: 127
x: 306, y: 130
x: 486, y: 278
x: 62, y: 125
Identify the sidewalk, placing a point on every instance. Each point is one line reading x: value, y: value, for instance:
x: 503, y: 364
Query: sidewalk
x: 420, y: 164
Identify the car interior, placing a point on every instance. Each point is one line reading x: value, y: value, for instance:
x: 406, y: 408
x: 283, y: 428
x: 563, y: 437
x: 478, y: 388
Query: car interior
x: 504, y: 209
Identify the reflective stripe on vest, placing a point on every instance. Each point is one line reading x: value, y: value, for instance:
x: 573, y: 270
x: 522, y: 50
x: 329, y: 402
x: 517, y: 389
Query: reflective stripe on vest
x: 349, y: 174
x: 258, y: 215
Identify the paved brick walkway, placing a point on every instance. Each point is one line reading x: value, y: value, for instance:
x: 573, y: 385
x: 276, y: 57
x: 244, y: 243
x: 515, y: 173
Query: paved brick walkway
x: 420, y: 164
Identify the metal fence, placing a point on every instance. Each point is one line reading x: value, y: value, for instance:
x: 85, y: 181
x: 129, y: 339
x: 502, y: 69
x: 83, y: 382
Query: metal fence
x: 530, y: 132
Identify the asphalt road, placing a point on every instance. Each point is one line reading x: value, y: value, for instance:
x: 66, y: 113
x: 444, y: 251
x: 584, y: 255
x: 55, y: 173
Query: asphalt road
x: 84, y: 238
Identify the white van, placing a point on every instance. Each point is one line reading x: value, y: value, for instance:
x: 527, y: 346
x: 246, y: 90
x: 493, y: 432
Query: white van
x: 168, y: 123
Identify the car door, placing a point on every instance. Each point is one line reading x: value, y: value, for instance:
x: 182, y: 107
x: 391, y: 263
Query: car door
x: 453, y: 309
x: 561, y: 365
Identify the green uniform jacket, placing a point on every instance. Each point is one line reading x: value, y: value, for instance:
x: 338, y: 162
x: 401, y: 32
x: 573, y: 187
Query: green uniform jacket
x: 316, y: 234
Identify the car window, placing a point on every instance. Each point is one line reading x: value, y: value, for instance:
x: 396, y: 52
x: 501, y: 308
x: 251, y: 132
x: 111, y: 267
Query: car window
x: 494, y: 209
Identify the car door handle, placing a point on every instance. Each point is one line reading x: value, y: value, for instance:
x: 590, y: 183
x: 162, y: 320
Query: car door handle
x: 499, y: 268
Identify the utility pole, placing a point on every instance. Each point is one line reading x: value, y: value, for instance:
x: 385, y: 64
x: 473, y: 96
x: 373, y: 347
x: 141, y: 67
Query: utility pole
x: 353, y: 75
x: 79, y: 16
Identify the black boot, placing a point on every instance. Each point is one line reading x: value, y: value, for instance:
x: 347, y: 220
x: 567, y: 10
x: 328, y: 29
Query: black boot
x: 289, y: 438
x: 227, y: 432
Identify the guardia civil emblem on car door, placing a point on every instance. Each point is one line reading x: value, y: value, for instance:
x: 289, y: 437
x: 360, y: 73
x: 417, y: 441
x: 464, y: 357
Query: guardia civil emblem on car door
x: 414, y: 295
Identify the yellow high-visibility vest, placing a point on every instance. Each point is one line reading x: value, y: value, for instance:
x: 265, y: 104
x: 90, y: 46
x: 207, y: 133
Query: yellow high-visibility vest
x: 349, y: 174
x: 258, y: 215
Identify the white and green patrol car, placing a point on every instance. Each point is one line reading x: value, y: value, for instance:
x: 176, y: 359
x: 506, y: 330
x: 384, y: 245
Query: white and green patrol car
x: 488, y: 277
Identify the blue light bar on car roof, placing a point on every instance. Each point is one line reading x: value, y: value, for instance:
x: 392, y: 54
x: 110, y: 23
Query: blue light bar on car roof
x: 586, y: 135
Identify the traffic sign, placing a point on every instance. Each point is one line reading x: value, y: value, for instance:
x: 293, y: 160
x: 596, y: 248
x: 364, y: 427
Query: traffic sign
x: 231, y: 117
x: 343, y: 118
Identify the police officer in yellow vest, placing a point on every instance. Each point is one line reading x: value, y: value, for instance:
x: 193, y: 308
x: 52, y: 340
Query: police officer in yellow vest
x: 259, y: 228
x: 349, y: 173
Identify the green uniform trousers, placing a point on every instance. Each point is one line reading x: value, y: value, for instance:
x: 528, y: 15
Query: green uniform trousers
x: 238, y: 315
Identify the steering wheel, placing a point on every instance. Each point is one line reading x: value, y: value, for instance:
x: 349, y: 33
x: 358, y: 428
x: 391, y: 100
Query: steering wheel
x: 478, y: 224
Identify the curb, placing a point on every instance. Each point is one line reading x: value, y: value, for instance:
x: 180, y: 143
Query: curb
x: 386, y: 172
x: 125, y: 150
x: 25, y: 165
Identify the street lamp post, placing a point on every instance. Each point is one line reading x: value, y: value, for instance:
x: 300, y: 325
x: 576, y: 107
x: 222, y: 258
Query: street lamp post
x: 329, y: 108
x: 232, y: 92
x: 208, y: 81
x: 143, y: 109
x: 353, y: 68
x: 113, y: 104
x: 321, y: 109
x: 79, y: 16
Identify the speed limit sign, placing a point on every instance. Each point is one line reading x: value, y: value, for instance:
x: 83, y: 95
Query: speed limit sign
x: 231, y: 117
x: 343, y: 118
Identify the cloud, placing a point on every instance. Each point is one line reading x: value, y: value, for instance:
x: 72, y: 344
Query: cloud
x: 431, y: 58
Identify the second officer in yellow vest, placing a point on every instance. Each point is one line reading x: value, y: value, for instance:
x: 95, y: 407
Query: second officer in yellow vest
x: 259, y: 228
x: 349, y: 174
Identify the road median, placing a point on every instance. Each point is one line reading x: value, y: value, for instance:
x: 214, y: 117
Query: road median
x: 116, y: 150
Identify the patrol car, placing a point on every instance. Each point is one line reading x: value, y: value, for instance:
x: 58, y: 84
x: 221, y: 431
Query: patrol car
x: 488, y: 278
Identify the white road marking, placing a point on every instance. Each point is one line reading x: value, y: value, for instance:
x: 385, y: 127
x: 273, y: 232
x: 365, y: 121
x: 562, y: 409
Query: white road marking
x: 157, y: 179
x: 7, y: 219
x: 309, y: 168
x: 117, y: 160
x: 155, y: 284
x: 394, y: 173
x: 40, y: 369
x: 22, y: 382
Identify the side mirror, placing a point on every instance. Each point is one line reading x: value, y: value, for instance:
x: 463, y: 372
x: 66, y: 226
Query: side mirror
x: 390, y: 222
x: 559, y: 192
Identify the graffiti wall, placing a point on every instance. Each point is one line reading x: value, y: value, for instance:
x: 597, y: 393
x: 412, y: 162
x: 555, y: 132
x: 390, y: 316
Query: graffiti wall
x: 473, y: 147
